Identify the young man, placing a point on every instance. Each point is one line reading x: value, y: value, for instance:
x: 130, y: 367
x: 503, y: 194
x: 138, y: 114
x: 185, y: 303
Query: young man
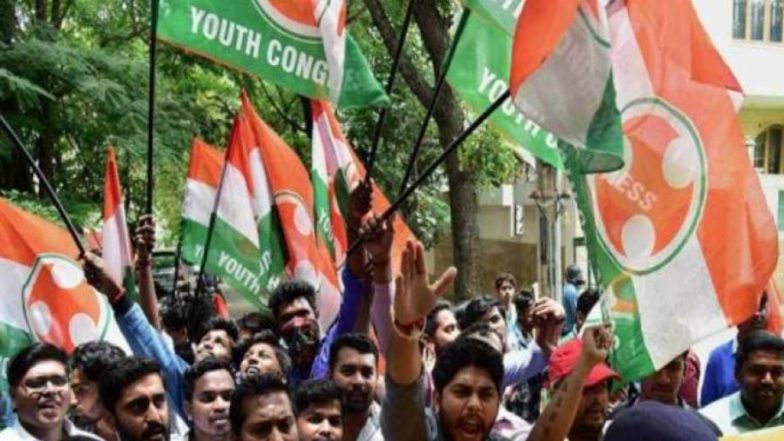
x: 441, y: 327
x: 293, y: 303
x: 207, y: 387
x: 467, y: 375
x: 720, y: 379
x: 574, y: 280
x: 261, y: 409
x: 38, y: 385
x: 581, y: 391
x: 133, y: 393
x: 217, y: 338
x: 262, y: 354
x: 505, y: 288
x: 319, y: 411
x: 760, y: 373
x: 353, y: 362
x: 89, y: 362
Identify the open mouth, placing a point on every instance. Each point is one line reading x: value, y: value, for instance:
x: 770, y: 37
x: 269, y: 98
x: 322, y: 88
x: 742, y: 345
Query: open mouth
x: 253, y: 370
x: 471, y: 427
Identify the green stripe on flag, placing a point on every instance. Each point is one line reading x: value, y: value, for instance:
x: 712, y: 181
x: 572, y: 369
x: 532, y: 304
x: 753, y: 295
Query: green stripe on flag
x: 501, y: 13
x: 480, y: 73
x: 12, y: 340
x: 241, y: 35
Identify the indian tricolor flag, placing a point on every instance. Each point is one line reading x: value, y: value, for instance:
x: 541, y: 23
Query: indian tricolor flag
x: 562, y: 79
x: 336, y: 162
x: 308, y: 256
x: 245, y: 250
x: 45, y: 294
x: 331, y: 18
x: 681, y: 236
x: 116, y: 241
x: 204, y: 173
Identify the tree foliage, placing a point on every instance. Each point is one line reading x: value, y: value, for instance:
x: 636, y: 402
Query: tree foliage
x: 74, y: 77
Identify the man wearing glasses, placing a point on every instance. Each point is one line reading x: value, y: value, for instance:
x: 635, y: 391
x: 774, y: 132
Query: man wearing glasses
x: 38, y: 385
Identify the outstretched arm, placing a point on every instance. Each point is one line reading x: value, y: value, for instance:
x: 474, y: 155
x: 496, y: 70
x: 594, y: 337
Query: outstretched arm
x: 145, y: 243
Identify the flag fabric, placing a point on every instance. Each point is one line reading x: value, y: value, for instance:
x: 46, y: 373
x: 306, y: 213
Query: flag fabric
x: 301, y: 45
x: 245, y: 248
x: 289, y: 182
x: 681, y: 237
x: 561, y: 78
x: 45, y: 294
x: 115, y: 239
x: 345, y: 171
x: 204, y: 173
x: 479, y: 75
x: 500, y: 14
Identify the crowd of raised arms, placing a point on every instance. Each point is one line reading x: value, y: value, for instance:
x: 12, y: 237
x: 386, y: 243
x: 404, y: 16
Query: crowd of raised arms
x: 399, y: 364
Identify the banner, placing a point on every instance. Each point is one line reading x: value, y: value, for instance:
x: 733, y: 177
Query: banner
x: 479, y: 75
x: 277, y: 40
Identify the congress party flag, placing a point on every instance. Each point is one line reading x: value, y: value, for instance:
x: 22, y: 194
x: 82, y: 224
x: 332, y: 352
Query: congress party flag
x: 681, y: 236
x: 116, y: 242
x: 45, y: 294
x: 301, y: 45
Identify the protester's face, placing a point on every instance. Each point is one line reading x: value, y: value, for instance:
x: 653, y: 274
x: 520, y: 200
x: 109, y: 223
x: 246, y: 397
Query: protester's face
x: 299, y: 328
x: 592, y: 410
x: 505, y: 292
x: 468, y: 405
x: 268, y: 417
x: 321, y: 422
x: 356, y: 376
x: 664, y: 384
x: 761, y: 380
x: 261, y: 359
x: 496, y: 320
x: 209, y: 408
x: 42, y: 397
x: 215, y: 343
x: 86, y: 407
x: 142, y: 414
x: 446, y: 329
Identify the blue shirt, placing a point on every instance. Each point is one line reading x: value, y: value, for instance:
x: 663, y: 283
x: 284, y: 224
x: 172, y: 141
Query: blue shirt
x: 570, y: 306
x: 719, y: 380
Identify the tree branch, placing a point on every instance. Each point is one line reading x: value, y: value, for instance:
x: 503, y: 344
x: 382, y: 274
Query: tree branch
x: 413, y: 77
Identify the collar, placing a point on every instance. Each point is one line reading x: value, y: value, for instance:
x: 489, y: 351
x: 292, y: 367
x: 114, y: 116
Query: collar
x: 738, y: 410
x: 68, y: 427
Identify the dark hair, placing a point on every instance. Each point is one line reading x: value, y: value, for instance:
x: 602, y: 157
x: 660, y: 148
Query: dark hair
x: 256, y: 322
x: 253, y: 386
x: 122, y: 374
x: 505, y: 277
x: 460, y: 313
x: 359, y: 342
x: 481, y: 329
x: 759, y: 340
x: 315, y: 391
x: 467, y: 352
x: 269, y: 337
x: 431, y: 322
x: 30, y: 356
x: 289, y: 291
x: 95, y: 357
x: 198, y: 370
x: 480, y: 306
x: 523, y: 300
x: 174, y: 313
x: 587, y: 300
x: 218, y: 324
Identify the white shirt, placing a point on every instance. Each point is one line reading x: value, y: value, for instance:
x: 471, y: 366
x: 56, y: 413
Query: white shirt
x: 17, y: 432
x: 372, y: 429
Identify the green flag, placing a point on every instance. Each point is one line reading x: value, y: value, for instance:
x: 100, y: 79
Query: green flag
x: 480, y: 73
x: 275, y: 40
x: 501, y: 13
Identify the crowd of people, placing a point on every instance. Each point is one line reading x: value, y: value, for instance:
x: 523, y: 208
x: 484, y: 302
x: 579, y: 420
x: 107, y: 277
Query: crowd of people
x: 400, y: 363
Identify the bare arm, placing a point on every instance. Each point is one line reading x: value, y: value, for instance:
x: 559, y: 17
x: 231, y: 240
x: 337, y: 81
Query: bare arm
x: 145, y: 243
x: 556, y: 420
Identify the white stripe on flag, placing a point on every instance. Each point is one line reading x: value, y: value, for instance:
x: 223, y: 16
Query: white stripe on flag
x: 115, y: 245
x: 235, y: 208
x: 629, y: 71
x: 199, y: 201
x: 678, y: 305
x: 13, y: 276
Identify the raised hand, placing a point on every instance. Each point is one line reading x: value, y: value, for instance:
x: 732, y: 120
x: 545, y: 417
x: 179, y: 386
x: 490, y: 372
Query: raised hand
x: 597, y: 341
x: 416, y: 296
x: 144, y: 238
x: 378, y: 236
x: 359, y: 204
x: 97, y: 276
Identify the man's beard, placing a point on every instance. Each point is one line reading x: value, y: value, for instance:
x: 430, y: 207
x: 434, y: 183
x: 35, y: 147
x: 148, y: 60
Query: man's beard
x: 354, y: 405
x: 151, y: 430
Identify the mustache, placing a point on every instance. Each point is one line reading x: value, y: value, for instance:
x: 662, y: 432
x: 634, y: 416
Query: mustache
x: 153, y: 429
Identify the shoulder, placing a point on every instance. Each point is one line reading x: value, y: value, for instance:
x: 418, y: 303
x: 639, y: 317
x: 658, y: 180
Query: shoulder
x: 8, y: 433
x: 719, y: 409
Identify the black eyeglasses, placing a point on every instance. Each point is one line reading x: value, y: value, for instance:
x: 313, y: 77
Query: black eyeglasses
x: 39, y: 383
